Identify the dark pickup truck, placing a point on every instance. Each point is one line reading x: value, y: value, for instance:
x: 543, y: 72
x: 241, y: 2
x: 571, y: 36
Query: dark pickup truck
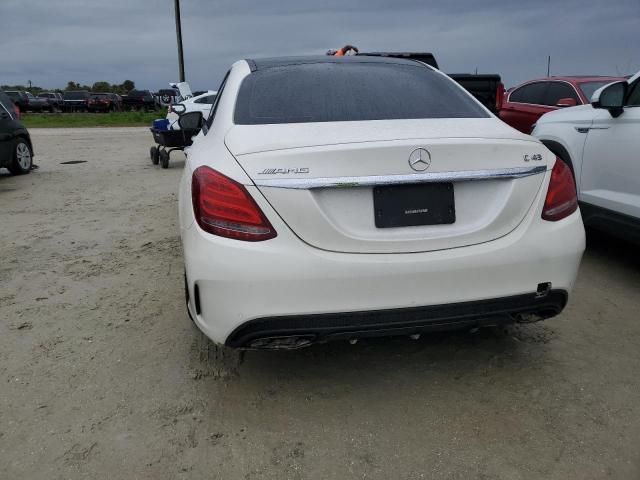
x: 139, y: 100
x: 486, y: 88
x: 76, y: 101
x: 27, y: 102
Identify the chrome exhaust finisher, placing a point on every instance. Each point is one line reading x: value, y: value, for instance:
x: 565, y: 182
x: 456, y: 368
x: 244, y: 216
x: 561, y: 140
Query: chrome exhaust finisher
x: 282, y: 343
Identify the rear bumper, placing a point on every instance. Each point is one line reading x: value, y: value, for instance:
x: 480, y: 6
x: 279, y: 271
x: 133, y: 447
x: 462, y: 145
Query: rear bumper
x: 274, y: 284
x: 306, y: 329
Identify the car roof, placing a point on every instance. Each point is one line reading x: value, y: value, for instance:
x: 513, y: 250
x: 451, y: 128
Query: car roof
x: 275, y: 62
x: 586, y: 78
x: 576, y: 78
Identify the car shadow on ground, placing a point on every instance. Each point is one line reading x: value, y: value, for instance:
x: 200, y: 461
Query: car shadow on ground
x: 603, y: 246
x: 439, y: 357
x: 6, y: 177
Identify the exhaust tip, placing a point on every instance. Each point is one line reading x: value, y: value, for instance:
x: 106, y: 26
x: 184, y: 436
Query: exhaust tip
x: 543, y: 289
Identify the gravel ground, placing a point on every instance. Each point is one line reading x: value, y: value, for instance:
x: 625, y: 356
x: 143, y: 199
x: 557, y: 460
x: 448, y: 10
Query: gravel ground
x: 101, y: 376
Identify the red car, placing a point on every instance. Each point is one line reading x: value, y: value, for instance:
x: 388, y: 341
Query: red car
x: 526, y: 103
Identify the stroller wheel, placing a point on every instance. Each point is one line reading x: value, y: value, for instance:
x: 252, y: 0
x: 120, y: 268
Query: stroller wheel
x: 164, y: 159
x: 154, y: 154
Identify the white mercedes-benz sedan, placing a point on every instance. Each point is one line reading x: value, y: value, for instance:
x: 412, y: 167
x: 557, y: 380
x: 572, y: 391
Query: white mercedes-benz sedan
x: 339, y: 198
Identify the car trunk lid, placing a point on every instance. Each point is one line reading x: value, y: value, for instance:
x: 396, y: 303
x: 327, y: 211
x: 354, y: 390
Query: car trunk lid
x: 334, y: 183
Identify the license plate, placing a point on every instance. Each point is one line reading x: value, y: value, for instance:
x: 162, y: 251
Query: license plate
x: 414, y: 205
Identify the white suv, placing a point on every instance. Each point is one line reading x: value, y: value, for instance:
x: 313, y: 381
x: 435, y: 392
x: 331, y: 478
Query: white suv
x: 200, y: 103
x: 601, y: 144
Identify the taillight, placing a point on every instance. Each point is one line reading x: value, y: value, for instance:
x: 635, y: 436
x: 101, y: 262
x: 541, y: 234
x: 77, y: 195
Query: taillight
x: 224, y: 207
x: 561, y: 198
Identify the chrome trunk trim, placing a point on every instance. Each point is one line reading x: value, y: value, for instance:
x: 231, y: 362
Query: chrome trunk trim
x: 375, y: 180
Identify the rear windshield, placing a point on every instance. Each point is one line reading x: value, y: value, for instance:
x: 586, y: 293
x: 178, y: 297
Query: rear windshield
x: 75, y: 95
x: 342, y: 92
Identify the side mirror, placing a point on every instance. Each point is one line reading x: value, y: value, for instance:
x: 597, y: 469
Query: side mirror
x: 178, y: 108
x: 566, y: 102
x: 611, y: 97
x: 191, y: 121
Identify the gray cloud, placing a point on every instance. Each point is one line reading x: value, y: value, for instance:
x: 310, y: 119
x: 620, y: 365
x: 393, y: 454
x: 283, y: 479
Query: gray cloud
x: 50, y: 43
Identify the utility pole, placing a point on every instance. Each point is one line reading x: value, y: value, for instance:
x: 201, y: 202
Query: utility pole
x: 548, y: 65
x: 179, y: 36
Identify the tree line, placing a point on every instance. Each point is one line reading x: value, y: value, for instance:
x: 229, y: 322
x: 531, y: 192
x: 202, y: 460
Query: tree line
x: 106, y: 87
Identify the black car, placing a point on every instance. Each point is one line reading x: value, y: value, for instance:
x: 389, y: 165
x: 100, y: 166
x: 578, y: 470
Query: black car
x: 139, y: 100
x: 76, y: 101
x: 16, y: 150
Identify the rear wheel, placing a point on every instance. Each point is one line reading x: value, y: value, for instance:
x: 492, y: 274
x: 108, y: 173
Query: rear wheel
x: 154, y: 153
x: 164, y: 159
x: 22, y: 157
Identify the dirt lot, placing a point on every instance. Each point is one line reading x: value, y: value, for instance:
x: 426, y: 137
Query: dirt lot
x: 100, y: 377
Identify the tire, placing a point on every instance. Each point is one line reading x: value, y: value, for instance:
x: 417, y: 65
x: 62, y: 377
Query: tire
x: 154, y: 153
x: 164, y: 159
x: 22, y: 158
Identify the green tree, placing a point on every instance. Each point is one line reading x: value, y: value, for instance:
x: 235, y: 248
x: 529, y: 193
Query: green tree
x: 128, y: 85
x: 101, y: 87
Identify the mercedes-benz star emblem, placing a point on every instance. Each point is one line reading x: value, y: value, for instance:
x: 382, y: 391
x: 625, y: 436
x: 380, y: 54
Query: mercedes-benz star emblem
x: 420, y: 159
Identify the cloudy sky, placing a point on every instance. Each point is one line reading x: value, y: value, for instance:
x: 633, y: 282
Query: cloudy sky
x: 52, y: 42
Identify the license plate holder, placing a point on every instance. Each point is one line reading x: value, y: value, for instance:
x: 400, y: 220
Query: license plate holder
x: 414, y: 205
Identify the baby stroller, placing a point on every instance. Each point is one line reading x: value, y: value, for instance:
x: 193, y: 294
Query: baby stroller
x: 169, y: 140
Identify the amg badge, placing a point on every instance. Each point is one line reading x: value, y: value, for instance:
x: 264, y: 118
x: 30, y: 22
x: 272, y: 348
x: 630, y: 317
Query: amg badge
x: 285, y: 171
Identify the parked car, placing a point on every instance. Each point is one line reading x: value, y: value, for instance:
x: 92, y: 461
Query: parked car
x: 139, y: 100
x: 527, y: 102
x: 16, y: 149
x: 600, y: 142
x: 201, y: 103
x: 345, y: 197
x: 56, y: 102
x: 76, y: 101
x: 27, y: 102
x: 104, y: 102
